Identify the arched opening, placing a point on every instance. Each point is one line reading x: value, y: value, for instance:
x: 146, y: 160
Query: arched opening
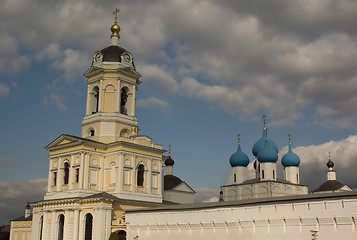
x: 94, y: 99
x: 140, y: 177
x: 60, y: 227
x: 91, y: 132
x: 123, y: 100
x: 66, y: 173
x: 41, y: 227
x: 122, y: 235
x: 89, y: 227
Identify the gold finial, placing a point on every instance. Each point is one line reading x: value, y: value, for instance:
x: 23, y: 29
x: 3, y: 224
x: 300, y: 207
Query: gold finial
x: 134, y: 128
x: 238, y: 139
x: 289, y: 138
x: 169, y: 150
x: 264, y: 116
x: 329, y: 155
x: 115, y: 28
x: 267, y: 133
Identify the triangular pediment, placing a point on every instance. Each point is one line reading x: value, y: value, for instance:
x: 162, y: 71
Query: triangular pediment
x: 183, y: 187
x: 69, y: 140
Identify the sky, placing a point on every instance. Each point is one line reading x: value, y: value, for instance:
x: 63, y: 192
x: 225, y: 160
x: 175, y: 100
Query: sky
x: 210, y: 70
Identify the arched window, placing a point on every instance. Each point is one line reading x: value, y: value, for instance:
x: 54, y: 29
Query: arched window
x: 140, y: 177
x: 41, y: 227
x: 122, y: 235
x: 91, y: 132
x: 66, y: 173
x: 60, y: 227
x: 95, y: 99
x: 89, y: 227
x: 123, y: 99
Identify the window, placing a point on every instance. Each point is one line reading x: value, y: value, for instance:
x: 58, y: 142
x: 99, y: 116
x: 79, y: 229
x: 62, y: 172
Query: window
x: 273, y: 174
x: 262, y: 174
x: 66, y: 173
x: 60, y: 227
x: 94, y: 99
x: 297, y: 177
x: 112, y: 174
x: 234, y: 178
x: 89, y: 227
x: 76, y: 177
x: 91, y: 132
x: 123, y: 99
x: 54, y: 178
x: 41, y: 227
x: 122, y: 235
x: 140, y: 176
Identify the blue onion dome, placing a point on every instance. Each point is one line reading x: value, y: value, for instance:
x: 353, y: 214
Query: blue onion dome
x: 239, y: 158
x: 268, y: 153
x: 290, y: 159
x: 261, y: 143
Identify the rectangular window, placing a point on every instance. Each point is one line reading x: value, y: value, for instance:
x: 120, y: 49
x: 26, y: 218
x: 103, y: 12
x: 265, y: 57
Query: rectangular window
x: 273, y: 174
x: 93, y: 177
x: 76, y: 177
x: 54, y: 178
x: 262, y: 174
x: 234, y: 178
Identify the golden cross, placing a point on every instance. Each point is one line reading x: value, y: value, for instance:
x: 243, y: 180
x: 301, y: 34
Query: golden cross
x: 264, y: 116
x: 289, y: 138
x: 238, y: 138
x: 116, y: 13
x: 169, y: 149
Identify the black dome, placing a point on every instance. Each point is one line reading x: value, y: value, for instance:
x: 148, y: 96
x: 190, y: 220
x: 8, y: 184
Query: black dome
x: 171, y: 181
x: 330, y: 164
x: 169, y: 161
x: 112, y: 53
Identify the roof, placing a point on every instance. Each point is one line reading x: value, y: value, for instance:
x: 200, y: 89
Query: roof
x: 257, y: 180
x: 253, y: 201
x: 112, y: 53
x: 330, y: 185
x: 171, y: 181
x: 23, y: 218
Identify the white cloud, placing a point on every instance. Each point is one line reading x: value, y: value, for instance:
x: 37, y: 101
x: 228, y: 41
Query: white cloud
x: 4, y: 160
x: 4, y: 90
x: 55, y: 100
x: 15, y: 195
x: 207, y: 194
x: 151, y: 102
x: 159, y: 77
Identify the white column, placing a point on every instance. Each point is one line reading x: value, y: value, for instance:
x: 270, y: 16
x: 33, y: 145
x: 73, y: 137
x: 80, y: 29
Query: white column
x: 86, y: 171
x: 81, y: 167
x: 133, y: 175
x: 133, y: 100
x: 160, y: 177
x: 108, y: 224
x: 100, y: 95
x: 75, y: 224
x: 65, y: 227
x: 118, y: 97
x: 120, y: 180
x: 150, y: 176
x: 53, y: 225
x: 71, y: 170
x: 88, y: 101
x: 58, y: 181
x: 44, y: 226
x: 101, y: 173
x: 49, y: 177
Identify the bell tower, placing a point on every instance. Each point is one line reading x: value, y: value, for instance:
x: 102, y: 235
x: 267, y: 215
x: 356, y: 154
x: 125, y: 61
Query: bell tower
x: 111, y: 95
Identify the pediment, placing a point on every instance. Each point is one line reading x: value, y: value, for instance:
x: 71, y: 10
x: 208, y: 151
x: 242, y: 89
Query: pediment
x: 183, y: 187
x: 68, y: 141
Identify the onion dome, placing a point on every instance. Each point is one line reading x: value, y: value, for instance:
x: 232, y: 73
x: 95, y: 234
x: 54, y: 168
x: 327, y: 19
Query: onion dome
x: 239, y: 158
x: 261, y: 142
x: 169, y: 161
x: 330, y: 164
x: 268, y: 153
x: 290, y: 159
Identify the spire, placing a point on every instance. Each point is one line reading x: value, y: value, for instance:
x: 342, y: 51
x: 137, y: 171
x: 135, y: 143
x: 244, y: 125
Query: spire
x: 238, y: 139
x: 169, y: 150
x: 289, y: 142
x: 264, y: 117
x: 115, y: 29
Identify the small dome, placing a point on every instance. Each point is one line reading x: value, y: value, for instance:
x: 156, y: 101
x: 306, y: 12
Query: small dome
x: 268, y: 153
x: 169, y: 161
x: 115, y: 28
x: 261, y: 142
x: 239, y: 158
x: 290, y: 159
x: 113, y: 53
x: 330, y: 164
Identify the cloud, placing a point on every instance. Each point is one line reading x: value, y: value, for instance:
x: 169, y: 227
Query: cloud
x: 15, y: 195
x: 4, y: 160
x: 314, y: 159
x: 207, y: 195
x: 55, y: 100
x: 4, y: 90
x: 151, y: 102
x: 160, y: 78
